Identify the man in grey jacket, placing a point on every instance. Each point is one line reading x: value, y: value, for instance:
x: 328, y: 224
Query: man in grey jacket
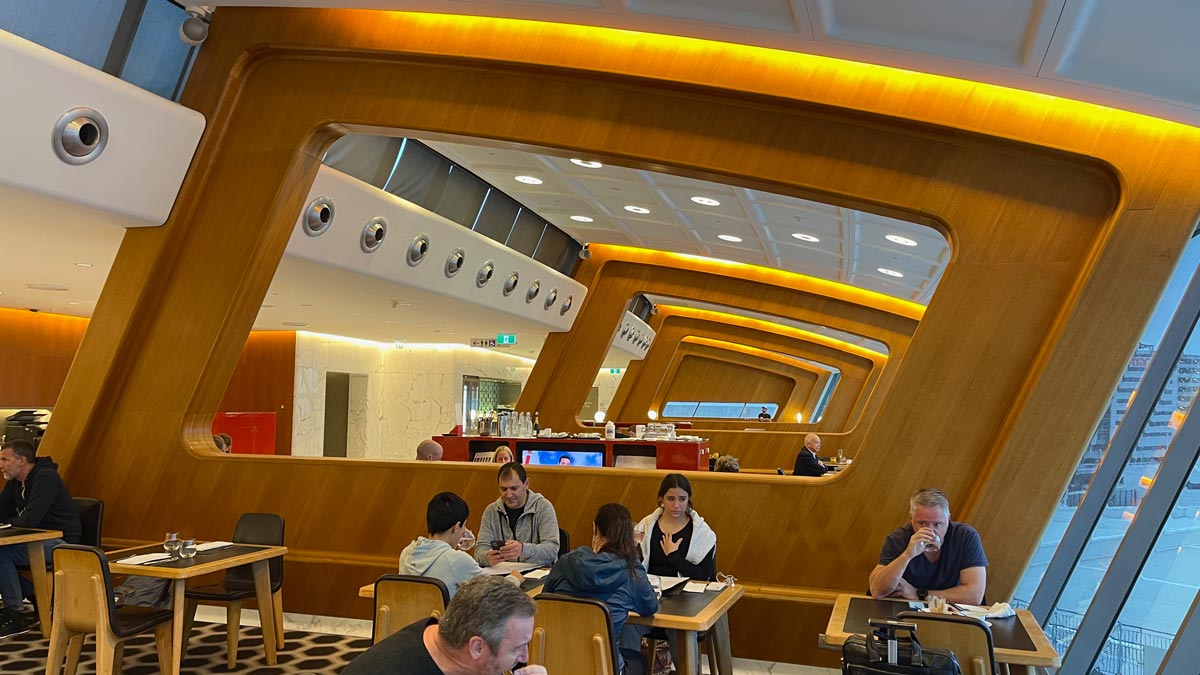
x: 440, y: 556
x: 520, y: 526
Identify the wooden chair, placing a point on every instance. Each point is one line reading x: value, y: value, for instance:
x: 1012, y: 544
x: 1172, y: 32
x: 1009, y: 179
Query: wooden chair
x: 91, y: 520
x: 401, y: 599
x: 83, y: 603
x: 265, y: 529
x: 970, y: 639
x: 573, y: 635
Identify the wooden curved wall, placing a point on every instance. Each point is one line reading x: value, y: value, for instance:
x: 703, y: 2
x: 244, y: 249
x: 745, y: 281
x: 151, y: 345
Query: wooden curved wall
x: 1066, y: 220
x: 642, y: 385
x: 697, y: 377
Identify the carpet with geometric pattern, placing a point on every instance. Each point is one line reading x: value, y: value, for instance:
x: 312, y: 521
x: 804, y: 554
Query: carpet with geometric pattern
x: 317, y: 653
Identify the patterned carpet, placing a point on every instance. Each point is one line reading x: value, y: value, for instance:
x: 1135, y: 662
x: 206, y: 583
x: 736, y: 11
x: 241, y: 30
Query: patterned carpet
x: 317, y: 653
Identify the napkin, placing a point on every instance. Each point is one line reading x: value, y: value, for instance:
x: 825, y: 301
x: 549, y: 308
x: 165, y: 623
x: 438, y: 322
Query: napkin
x: 210, y: 545
x: 695, y: 587
x: 537, y: 574
x: 144, y: 559
x: 1000, y: 610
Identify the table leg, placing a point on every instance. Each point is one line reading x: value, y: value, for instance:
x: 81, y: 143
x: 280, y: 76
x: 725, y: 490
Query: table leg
x: 178, y: 605
x: 720, y: 643
x: 689, y: 650
x: 41, y: 583
x: 266, y: 611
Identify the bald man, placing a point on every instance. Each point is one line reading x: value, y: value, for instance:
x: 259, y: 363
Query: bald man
x: 429, y: 451
x: 807, y: 462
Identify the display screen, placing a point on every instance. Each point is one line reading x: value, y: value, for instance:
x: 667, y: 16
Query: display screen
x: 562, y: 457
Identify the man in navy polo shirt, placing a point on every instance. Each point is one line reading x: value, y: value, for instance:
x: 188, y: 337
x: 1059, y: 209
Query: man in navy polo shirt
x: 931, y: 555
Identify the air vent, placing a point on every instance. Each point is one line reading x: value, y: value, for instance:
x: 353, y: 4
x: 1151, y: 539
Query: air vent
x: 80, y: 136
x: 418, y: 249
x: 551, y: 298
x: 454, y: 261
x: 318, y: 216
x: 510, y: 284
x: 373, y: 233
x: 566, y: 305
x: 534, y: 289
x: 485, y: 273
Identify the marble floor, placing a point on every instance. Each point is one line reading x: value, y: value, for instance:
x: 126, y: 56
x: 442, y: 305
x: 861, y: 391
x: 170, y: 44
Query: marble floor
x: 362, y: 628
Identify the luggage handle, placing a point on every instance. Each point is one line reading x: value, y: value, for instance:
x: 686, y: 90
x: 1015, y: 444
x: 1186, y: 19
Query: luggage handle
x: 885, y: 630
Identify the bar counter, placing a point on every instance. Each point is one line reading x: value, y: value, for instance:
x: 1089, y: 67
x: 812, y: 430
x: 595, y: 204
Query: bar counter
x: 669, y: 455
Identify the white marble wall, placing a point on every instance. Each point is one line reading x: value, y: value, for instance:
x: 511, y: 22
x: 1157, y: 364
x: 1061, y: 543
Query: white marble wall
x: 607, y: 384
x: 409, y: 393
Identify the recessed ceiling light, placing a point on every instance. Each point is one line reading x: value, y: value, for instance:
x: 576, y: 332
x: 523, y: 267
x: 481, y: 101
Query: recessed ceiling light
x: 529, y: 180
x: 72, y: 302
x: 890, y: 273
x: 586, y: 163
x: 903, y: 241
x: 729, y: 237
x: 706, y: 201
x: 637, y: 209
x: 582, y: 219
x: 805, y: 237
x: 46, y: 287
x: 295, y: 324
x: 84, y: 265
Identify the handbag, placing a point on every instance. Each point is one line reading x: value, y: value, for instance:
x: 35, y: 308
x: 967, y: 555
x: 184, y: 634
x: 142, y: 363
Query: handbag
x: 886, y: 652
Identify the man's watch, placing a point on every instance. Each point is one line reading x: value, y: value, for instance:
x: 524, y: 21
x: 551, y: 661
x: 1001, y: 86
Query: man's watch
x: 922, y: 593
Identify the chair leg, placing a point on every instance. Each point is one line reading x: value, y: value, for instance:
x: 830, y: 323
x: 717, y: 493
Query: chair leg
x: 710, y: 647
x: 277, y: 606
x: 59, y: 640
x: 74, y: 650
x: 162, y: 642
x: 109, y: 652
x: 233, y: 632
x: 189, y: 619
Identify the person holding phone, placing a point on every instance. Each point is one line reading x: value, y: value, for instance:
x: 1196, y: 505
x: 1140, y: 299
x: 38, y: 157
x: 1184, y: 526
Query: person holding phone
x: 931, y: 555
x: 520, y: 526
x: 486, y: 630
x: 443, y: 555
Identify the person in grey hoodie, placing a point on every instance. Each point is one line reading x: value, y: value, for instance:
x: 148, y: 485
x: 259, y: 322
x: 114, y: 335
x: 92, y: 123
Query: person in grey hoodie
x: 439, y: 555
x: 520, y: 526
x: 610, y: 571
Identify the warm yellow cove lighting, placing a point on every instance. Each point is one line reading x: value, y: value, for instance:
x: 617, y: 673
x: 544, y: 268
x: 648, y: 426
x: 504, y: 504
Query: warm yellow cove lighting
x: 772, y: 327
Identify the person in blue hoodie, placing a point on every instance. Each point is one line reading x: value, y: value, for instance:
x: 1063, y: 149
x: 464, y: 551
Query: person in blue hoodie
x: 438, y: 556
x: 611, y: 572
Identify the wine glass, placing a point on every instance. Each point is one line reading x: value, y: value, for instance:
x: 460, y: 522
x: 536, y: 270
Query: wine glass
x: 171, y: 544
x: 188, y: 548
x: 467, y: 541
x: 639, y: 533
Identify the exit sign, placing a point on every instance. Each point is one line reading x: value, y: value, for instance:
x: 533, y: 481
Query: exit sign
x: 506, y: 339
x: 614, y: 371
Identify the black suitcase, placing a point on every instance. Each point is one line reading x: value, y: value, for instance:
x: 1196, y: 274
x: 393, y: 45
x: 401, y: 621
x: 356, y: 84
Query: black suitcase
x: 884, y: 652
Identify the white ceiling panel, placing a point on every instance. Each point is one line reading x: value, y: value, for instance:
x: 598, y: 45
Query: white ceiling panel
x: 773, y: 15
x: 1151, y: 46
x: 1012, y: 33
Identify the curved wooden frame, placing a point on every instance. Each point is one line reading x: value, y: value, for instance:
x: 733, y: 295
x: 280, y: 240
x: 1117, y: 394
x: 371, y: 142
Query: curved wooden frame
x: 1065, y: 220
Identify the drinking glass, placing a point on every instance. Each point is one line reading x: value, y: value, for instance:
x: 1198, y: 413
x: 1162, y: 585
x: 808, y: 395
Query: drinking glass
x: 639, y: 533
x: 171, y: 544
x: 467, y: 541
x: 188, y: 548
x: 841, y: 456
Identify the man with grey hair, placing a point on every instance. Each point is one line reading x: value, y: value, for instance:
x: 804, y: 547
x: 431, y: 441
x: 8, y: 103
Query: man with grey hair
x: 429, y: 450
x: 807, y: 462
x: 485, y: 631
x: 931, y: 555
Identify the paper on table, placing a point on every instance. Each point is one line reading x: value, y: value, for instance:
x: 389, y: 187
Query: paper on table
x: 537, y: 574
x: 716, y: 586
x: 695, y: 587
x: 210, y: 545
x: 144, y: 558
x: 505, y: 567
x: 4, y: 525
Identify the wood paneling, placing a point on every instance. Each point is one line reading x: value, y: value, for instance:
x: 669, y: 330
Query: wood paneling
x: 1066, y: 220
x: 264, y: 381
x: 36, y: 350
x: 699, y: 378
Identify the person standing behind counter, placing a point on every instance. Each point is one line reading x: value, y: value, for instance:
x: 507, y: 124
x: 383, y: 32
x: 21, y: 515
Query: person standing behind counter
x: 680, y: 543
x: 520, y: 526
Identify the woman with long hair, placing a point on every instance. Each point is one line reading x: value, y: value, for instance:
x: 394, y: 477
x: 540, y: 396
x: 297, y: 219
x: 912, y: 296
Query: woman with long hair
x: 609, y: 571
x: 674, y: 539
x: 504, y: 455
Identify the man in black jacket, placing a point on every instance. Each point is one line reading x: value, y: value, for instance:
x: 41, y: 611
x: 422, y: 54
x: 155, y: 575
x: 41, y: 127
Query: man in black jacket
x: 807, y: 462
x: 34, y: 497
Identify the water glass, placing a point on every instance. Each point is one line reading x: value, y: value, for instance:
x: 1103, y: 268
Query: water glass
x: 639, y: 533
x: 841, y: 456
x: 467, y: 541
x: 171, y: 544
x: 188, y: 549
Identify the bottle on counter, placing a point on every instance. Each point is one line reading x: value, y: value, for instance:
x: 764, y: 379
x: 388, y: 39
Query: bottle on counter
x: 537, y: 426
x: 610, y: 430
